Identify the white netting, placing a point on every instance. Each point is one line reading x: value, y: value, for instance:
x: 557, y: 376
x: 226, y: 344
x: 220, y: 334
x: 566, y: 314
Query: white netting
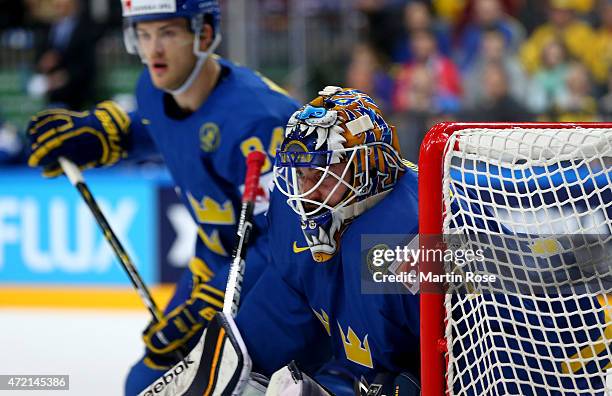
x: 538, y: 203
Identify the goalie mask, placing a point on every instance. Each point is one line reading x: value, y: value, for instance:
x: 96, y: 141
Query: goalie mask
x: 197, y: 12
x: 338, y: 158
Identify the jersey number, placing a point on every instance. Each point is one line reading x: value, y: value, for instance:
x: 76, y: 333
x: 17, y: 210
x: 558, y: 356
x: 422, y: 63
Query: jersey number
x: 255, y: 144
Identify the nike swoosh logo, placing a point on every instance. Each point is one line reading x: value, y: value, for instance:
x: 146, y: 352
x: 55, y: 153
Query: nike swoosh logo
x: 297, y: 249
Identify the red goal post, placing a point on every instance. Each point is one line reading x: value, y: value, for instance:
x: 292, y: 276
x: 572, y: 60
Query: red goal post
x: 432, y: 160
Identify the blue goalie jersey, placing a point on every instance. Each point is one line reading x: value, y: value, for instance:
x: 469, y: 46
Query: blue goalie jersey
x: 316, y: 312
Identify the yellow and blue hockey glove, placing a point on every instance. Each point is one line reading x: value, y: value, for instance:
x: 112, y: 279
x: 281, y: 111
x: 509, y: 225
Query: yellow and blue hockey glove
x: 89, y: 139
x: 179, y: 329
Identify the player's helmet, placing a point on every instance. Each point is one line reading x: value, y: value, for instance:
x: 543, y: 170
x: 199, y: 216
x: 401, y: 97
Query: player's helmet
x: 339, y: 126
x: 197, y: 12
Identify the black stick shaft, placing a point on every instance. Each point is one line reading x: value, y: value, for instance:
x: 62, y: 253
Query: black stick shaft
x: 76, y: 178
x: 120, y: 252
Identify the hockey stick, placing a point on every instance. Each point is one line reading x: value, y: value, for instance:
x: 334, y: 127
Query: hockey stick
x: 220, y: 359
x: 255, y: 161
x: 76, y: 178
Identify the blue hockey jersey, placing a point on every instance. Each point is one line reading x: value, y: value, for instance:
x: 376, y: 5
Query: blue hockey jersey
x: 205, y: 153
x: 303, y: 310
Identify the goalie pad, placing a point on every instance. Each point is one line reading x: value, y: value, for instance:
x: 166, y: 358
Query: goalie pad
x: 218, y: 365
x: 290, y: 381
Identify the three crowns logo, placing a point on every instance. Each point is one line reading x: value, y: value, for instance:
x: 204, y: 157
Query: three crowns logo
x: 353, y: 348
x: 209, y: 211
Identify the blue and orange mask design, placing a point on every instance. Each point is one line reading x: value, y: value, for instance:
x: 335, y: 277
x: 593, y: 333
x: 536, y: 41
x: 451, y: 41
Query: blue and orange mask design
x: 342, y: 139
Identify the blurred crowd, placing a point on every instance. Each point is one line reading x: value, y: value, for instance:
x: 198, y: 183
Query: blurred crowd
x: 485, y: 60
x: 423, y: 61
x: 63, y: 72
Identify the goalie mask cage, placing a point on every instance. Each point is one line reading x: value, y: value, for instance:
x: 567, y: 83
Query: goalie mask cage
x: 543, y: 182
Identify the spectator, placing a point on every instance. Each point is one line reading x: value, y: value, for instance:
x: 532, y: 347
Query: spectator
x: 449, y: 10
x: 40, y: 10
x: 366, y: 73
x: 425, y: 107
x: 579, y: 104
x: 413, y: 123
x: 67, y: 62
x: 487, y: 14
x: 493, y: 50
x: 447, y: 89
x: 497, y: 104
x: 547, y: 86
x: 454, y: 11
x: 383, y: 26
x: 563, y: 23
x: 532, y: 14
x: 417, y: 16
x: 605, y: 103
x: 582, y: 7
x: 602, y: 52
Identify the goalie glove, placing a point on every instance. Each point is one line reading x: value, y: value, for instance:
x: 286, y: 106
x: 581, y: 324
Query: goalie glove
x: 218, y: 365
x: 89, y: 139
x: 178, y: 330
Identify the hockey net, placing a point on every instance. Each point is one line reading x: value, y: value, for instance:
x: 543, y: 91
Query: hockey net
x: 536, y: 199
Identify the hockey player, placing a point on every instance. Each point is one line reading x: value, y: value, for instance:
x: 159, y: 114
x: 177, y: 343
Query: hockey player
x: 341, y: 172
x: 203, y: 114
x: 339, y: 169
